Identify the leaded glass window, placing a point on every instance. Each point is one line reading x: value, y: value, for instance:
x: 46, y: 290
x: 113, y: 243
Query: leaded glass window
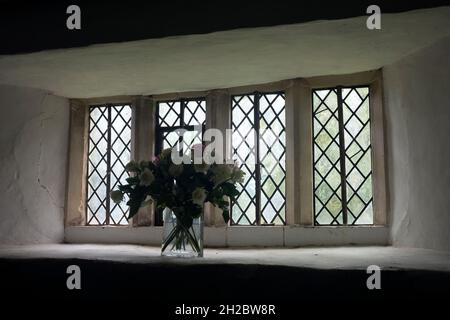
x: 188, y: 115
x: 109, y: 152
x: 180, y: 124
x: 342, y: 156
x: 259, y: 146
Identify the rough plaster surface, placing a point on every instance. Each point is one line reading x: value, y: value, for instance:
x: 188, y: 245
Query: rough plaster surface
x: 226, y: 59
x: 33, y: 151
x: 321, y: 258
x: 417, y: 96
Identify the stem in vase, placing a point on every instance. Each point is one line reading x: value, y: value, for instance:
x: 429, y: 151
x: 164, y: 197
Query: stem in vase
x: 192, y: 239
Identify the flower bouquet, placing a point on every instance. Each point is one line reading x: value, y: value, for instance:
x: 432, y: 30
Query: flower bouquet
x: 180, y: 192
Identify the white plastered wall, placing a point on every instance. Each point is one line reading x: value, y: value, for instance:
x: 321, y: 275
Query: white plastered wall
x: 34, y: 127
x: 417, y: 104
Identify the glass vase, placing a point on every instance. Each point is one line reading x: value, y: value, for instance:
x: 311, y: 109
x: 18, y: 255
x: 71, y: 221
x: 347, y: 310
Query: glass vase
x: 182, y: 237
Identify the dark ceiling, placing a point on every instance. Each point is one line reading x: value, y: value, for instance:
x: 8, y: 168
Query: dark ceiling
x: 40, y: 25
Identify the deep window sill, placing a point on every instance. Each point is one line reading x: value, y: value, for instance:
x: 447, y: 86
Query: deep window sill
x: 239, y: 236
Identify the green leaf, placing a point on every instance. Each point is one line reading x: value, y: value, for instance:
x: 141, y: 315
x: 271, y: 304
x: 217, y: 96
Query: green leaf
x: 126, y: 188
x: 136, y: 199
x: 134, y: 208
x: 132, y: 180
x: 226, y: 216
x: 229, y: 189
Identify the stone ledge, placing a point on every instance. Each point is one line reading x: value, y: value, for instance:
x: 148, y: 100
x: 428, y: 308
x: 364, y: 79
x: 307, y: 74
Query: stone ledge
x: 343, y: 258
x: 239, y: 236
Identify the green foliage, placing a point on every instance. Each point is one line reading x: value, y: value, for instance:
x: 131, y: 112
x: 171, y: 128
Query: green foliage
x: 176, y: 190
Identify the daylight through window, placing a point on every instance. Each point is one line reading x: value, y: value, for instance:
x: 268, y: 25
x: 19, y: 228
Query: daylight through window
x: 259, y: 145
x: 173, y: 116
x: 342, y: 156
x: 109, y: 152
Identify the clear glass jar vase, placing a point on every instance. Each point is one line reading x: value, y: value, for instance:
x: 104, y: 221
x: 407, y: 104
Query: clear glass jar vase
x: 182, y: 237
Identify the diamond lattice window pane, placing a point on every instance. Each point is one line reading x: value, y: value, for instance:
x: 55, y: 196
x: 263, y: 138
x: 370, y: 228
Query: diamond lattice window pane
x: 188, y: 139
x: 180, y: 125
x: 195, y: 112
x: 191, y: 138
x: 326, y: 147
x: 169, y: 113
x: 355, y: 155
x: 109, y: 151
x: 120, y: 156
x: 97, y: 166
x: 358, y: 155
x: 243, y: 115
x: 179, y: 122
x: 170, y: 139
x: 269, y: 111
x: 272, y: 141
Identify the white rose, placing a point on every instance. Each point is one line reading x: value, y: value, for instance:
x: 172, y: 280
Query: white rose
x: 237, y: 175
x: 222, y: 172
x: 116, y: 196
x: 199, y: 196
x: 146, y: 178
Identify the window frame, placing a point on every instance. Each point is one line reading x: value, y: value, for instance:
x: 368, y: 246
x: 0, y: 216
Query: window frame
x: 109, y: 205
x: 299, y: 184
x: 342, y: 155
x: 159, y: 131
x: 373, y: 80
x: 257, y: 116
x: 76, y: 185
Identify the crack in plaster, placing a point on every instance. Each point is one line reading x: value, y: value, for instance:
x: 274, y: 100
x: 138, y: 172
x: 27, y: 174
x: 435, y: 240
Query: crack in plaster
x: 13, y: 185
x: 41, y: 184
x: 32, y: 159
x: 21, y: 196
x: 15, y: 161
